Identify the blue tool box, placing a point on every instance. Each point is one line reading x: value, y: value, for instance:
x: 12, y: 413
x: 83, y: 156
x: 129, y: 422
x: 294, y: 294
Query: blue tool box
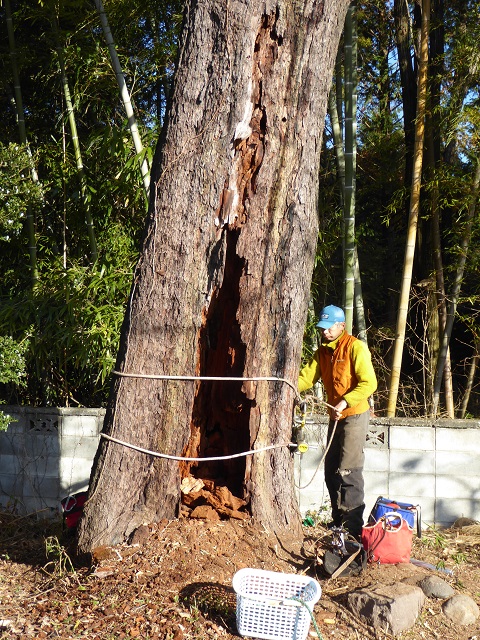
x: 409, y: 512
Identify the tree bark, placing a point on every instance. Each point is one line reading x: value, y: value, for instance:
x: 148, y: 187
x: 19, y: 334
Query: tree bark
x: 222, y: 285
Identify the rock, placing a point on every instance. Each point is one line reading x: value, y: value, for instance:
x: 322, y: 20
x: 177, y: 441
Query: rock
x: 435, y: 587
x: 140, y: 535
x: 463, y: 522
x: 461, y: 609
x: 393, y: 608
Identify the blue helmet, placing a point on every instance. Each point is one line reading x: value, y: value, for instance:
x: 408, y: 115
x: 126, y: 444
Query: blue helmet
x: 329, y: 316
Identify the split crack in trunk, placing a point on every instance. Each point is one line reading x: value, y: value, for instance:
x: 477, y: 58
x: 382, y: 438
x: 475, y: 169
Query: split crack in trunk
x: 221, y: 412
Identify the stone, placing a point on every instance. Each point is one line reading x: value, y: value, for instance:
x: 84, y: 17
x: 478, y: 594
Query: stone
x: 140, y: 535
x: 461, y: 609
x: 463, y: 522
x: 435, y: 587
x: 388, y: 608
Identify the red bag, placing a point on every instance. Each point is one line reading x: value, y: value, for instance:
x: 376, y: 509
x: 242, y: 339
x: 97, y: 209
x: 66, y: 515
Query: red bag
x: 389, y: 540
x: 72, y: 507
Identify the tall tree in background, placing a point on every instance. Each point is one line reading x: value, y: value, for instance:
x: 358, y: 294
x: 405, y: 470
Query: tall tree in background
x: 408, y: 75
x: 350, y: 160
x: 457, y: 284
x: 448, y: 102
x: 433, y: 160
x: 414, y: 212
x: 346, y: 167
x: 222, y: 285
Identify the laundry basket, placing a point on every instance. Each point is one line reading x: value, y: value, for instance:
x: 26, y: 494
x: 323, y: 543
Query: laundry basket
x: 274, y: 606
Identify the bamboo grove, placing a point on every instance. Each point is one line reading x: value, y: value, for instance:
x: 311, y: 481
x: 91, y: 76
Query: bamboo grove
x: 84, y: 86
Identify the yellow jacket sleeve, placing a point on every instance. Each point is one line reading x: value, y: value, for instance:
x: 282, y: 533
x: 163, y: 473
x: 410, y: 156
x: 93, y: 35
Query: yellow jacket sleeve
x: 310, y: 374
x: 366, y: 378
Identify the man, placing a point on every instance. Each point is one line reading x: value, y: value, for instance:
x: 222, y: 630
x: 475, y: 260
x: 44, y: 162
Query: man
x: 344, y: 364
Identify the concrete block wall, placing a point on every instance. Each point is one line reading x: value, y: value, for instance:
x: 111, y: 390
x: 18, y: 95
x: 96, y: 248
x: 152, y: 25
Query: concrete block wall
x: 432, y: 464
x: 47, y: 454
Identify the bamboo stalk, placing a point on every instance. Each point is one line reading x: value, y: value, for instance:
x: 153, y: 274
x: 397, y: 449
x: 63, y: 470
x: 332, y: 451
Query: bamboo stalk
x: 413, y: 214
x: 125, y: 95
x: 76, y: 144
x: 440, y: 295
x: 350, y: 160
x: 333, y: 102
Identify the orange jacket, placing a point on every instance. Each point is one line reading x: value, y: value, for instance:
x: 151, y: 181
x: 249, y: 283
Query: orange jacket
x: 346, y: 370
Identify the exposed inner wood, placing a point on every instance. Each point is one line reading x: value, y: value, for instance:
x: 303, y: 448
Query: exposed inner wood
x: 221, y: 409
x: 220, y: 419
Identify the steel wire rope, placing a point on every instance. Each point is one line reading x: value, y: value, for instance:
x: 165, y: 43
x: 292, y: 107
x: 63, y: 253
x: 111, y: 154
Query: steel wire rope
x: 184, y: 459
x: 216, y: 378
x: 210, y: 378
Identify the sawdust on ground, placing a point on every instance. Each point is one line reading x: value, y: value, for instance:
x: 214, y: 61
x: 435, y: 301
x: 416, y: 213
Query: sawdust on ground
x: 175, y: 581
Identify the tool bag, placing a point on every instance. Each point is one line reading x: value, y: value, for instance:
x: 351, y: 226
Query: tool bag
x: 409, y: 512
x: 388, y: 540
x: 72, y: 507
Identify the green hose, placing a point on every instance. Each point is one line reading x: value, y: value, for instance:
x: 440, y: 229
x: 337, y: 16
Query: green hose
x: 314, y: 622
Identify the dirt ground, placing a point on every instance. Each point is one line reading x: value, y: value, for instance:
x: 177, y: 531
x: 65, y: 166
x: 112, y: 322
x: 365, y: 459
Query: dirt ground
x: 175, y: 581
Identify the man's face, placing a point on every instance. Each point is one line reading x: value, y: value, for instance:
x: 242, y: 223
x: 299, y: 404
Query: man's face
x: 334, y: 331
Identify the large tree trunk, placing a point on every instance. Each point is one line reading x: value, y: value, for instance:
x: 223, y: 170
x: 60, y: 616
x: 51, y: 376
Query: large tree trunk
x: 222, y: 285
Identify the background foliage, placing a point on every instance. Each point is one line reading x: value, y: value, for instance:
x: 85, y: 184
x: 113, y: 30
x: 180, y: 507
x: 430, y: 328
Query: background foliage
x: 59, y: 332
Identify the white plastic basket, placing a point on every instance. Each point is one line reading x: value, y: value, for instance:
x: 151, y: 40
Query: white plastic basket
x: 274, y: 606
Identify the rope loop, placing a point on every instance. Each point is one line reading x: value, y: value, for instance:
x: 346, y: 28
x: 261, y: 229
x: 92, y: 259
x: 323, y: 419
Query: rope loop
x: 211, y: 378
x: 156, y: 454
x: 302, y: 405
